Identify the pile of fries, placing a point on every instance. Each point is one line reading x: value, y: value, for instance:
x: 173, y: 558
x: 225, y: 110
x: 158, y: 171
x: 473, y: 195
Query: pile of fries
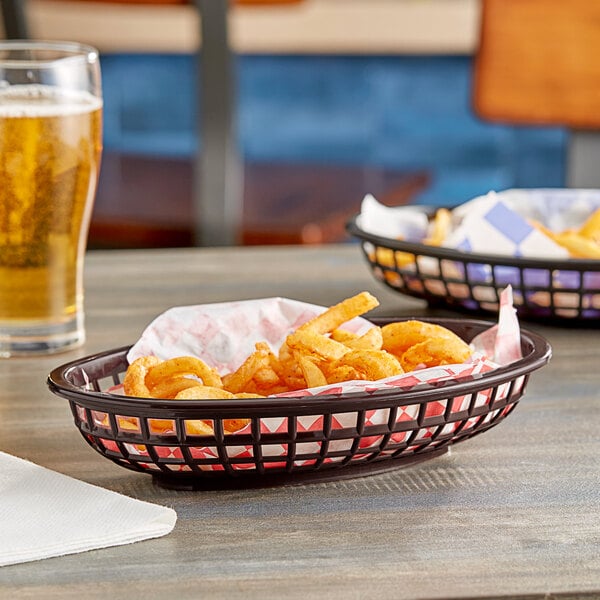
x: 583, y: 242
x: 318, y: 353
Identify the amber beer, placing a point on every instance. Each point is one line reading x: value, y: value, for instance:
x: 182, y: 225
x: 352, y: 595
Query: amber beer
x: 50, y: 148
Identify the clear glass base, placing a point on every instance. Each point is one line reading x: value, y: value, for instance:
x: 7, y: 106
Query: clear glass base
x: 34, y: 339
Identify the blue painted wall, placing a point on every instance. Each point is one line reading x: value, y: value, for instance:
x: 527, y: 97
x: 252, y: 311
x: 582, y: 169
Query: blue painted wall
x: 409, y: 113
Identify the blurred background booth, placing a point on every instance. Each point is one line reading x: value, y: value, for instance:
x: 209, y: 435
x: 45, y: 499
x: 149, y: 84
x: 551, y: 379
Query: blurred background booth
x: 321, y: 101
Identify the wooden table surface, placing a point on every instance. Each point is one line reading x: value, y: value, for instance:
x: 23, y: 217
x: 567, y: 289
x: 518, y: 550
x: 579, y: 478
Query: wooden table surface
x: 512, y: 513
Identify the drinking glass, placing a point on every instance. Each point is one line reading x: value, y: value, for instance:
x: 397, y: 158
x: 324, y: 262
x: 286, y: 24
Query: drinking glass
x: 50, y: 149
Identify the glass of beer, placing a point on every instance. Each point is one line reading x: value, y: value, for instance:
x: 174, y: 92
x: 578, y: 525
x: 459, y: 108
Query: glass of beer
x: 50, y: 148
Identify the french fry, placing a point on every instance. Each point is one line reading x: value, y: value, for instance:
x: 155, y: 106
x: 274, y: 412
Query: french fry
x: 342, y: 373
x: 128, y: 423
x: 433, y: 352
x: 124, y: 423
x: 541, y: 227
x: 292, y: 382
x: 284, y: 365
x: 183, y: 365
x: 134, y: 383
x: 343, y: 336
x: 317, y: 353
x: 233, y: 425
x: 266, y: 377
x: 439, y: 227
x: 236, y: 382
x: 339, y: 314
x: 591, y: 228
x: 309, y: 341
x: 371, y: 340
x: 371, y: 364
x: 204, y: 392
x: 583, y: 243
x: 384, y: 256
x: 578, y: 246
x: 196, y: 427
x: 169, y: 388
x: 312, y: 374
x: 393, y: 258
x: 399, y: 337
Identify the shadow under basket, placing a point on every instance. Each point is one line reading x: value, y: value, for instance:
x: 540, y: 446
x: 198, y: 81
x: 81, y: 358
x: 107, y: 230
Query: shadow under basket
x: 562, y: 291
x: 289, y: 440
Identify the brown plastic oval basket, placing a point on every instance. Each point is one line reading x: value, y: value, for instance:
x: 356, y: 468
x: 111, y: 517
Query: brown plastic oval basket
x: 563, y: 291
x: 289, y: 439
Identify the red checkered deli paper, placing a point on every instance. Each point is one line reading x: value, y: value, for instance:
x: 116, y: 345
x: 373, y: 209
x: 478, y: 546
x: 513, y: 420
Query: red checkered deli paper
x: 223, y: 334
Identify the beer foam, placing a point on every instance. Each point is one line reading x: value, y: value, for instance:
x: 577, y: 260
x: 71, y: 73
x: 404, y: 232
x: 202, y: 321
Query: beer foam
x: 45, y: 101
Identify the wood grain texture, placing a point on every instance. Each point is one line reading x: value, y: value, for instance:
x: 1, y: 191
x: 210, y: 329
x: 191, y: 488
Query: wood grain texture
x: 512, y: 513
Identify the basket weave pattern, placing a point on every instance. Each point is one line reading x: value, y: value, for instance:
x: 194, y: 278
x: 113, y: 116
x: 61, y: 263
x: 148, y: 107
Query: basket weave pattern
x: 289, y: 435
x: 565, y: 290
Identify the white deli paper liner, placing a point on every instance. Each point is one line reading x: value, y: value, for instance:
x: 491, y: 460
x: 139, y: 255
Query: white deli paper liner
x: 497, y: 223
x: 223, y: 335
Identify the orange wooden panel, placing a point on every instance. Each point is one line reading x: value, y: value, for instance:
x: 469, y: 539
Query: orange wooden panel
x: 539, y: 62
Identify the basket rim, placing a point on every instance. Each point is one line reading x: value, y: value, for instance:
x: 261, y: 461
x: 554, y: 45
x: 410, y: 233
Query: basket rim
x: 541, y: 352
x: 568, y: 264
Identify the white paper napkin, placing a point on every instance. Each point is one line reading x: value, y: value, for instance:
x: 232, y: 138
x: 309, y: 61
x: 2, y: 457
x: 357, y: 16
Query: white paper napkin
x: 45, y: 514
